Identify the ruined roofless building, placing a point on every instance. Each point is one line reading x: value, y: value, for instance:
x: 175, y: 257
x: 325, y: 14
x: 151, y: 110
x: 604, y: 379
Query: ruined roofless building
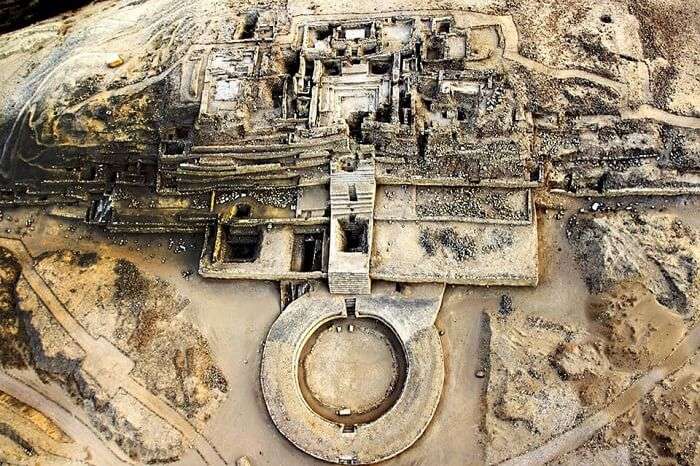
x: 328, y: 152
x: 344, y: 149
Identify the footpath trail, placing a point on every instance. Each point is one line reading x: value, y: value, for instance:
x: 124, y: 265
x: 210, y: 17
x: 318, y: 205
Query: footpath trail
x: 96, y: 451
x: 105, y: 362
x: 575, y: 437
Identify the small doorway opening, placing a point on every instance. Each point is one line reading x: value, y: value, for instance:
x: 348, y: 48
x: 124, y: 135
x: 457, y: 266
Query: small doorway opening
x: 307, y: 254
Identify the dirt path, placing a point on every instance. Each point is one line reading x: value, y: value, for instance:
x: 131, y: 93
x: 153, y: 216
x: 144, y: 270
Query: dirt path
x: 95, y: 450
x: 169, y: 415
x: 574, y: 438
x: 102, y: 358
x: 653, y: 113
x: 41, y: 440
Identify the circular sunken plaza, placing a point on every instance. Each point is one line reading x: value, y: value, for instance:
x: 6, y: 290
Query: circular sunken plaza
x: 353, y: 380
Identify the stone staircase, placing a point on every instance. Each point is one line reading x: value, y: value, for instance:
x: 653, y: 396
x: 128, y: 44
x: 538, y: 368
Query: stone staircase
x: 352, y: 193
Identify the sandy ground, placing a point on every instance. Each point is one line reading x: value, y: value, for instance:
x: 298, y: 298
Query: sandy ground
x: 647, y: 405
x: 234, y: 318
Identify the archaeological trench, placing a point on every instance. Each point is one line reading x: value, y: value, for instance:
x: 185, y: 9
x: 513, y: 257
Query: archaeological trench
x: 319, y: 231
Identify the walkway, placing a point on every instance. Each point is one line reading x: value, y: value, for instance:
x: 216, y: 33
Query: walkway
x: 104, y: 361
x: 577, y: 436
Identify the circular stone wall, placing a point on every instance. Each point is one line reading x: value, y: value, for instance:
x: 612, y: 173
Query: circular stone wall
x: 352, y: 370
x: 356, y: 389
